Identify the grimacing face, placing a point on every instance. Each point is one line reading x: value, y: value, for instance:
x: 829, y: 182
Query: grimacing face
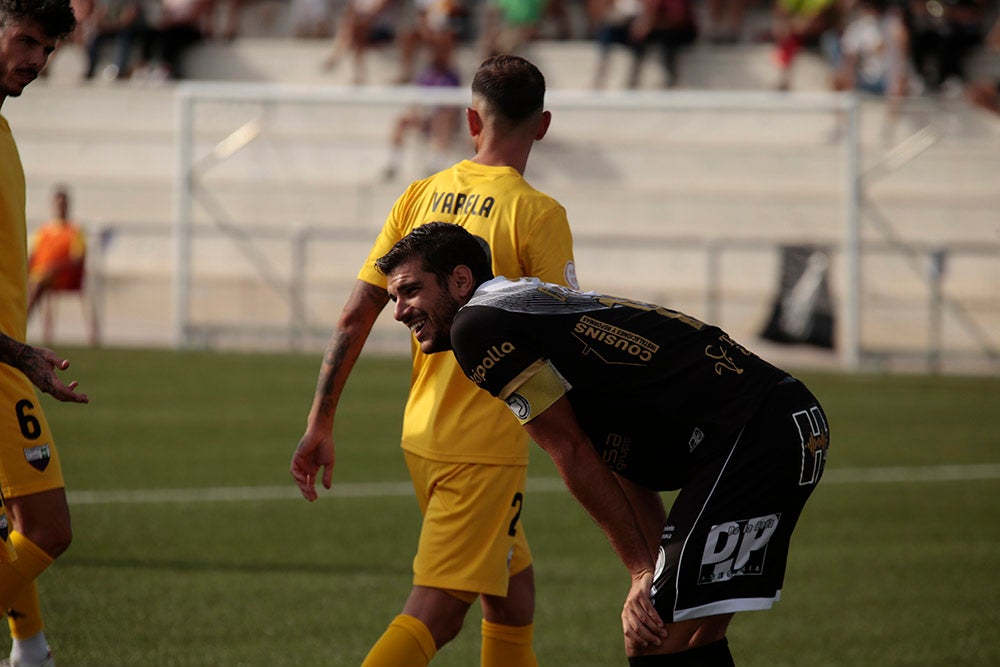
x: 424, y: 305
x: 24, y: 50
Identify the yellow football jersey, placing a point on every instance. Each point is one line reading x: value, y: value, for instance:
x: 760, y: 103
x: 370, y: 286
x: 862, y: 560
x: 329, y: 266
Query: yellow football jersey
x: 447, y: 417
x: 14, y: 249
x: 28, y: 459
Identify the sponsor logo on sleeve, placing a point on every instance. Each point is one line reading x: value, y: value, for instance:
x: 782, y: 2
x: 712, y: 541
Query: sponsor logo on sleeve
x: 569, y: 274
x: 493, y: 355
x: 519, y: 405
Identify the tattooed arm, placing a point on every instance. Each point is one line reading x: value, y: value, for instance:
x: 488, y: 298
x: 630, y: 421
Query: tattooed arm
x: 39, y: 365
x: 316, y: 448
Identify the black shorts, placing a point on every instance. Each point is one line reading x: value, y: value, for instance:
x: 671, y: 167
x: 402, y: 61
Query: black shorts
x: 725, y: 544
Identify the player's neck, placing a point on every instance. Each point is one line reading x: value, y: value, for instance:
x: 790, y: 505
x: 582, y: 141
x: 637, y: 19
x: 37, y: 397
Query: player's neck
x: 502, y: 156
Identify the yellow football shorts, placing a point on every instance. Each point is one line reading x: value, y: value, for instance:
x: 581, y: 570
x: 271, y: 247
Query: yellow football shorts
x: 471, y: 539
x: 29, y: 462
x: 28, y: 459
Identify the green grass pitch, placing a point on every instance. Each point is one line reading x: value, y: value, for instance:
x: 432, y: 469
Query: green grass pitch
x: 166, y: 570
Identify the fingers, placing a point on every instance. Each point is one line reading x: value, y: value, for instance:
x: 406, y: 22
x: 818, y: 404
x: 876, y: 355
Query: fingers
x: 311, y: 455
x: 644, y: 630
x: 641, y: 623
x: 71, y: 394
x: 304, y: 480
x: 65, y: 393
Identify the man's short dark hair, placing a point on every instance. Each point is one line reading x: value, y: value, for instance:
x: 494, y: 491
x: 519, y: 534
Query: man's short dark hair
x: 511, y: 85
x: 56, y: 17
x: 441, y: 246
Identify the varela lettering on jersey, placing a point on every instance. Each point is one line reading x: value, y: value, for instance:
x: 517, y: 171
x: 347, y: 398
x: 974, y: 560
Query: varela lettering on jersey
x: 460, y: 203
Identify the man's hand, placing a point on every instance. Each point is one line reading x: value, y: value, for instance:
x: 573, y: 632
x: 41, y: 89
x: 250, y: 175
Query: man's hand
x: 39, y: 365
x: 314, y: 452
x: 641, y: 623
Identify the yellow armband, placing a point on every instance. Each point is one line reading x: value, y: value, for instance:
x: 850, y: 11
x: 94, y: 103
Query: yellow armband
x: 534, y: 390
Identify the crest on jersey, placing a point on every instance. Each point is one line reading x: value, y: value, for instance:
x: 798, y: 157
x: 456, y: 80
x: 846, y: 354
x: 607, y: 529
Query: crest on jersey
x: 38, y: 457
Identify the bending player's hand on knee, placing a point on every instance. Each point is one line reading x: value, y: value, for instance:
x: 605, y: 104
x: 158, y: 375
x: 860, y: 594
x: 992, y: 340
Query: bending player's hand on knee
x: 641, y: 623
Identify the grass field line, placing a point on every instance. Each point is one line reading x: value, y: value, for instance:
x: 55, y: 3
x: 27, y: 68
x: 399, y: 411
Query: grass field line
x: 910, y: 474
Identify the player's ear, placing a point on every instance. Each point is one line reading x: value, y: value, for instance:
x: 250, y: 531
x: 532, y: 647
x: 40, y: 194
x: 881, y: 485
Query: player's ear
x: 462, y: 282
x: 474, y: 120
x: 543, y: 125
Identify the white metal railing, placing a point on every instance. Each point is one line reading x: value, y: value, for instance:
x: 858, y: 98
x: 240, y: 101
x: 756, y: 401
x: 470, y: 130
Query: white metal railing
x: 302, y: 326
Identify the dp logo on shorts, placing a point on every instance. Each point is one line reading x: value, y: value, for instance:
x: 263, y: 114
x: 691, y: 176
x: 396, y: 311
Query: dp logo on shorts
x: 736, y: 548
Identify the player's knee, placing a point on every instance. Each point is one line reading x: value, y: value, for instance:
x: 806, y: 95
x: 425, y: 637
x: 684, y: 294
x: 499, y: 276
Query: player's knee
x: 446, y: 627
x: 517, y: 608
x: 441, y: 611
x: 56, y: 542
x: 54, y: 539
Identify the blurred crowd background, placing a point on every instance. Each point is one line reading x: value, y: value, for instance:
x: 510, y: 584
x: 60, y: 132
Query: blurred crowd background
x: 882, y: 47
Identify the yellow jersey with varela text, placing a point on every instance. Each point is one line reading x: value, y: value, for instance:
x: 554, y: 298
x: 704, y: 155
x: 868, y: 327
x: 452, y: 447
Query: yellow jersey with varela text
x: 447, y: 418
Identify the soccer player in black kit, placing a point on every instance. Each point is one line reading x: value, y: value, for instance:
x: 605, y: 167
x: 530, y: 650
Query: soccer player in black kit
x: 629, y: 399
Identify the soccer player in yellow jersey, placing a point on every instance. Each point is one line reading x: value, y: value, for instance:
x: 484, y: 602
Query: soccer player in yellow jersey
x: 32, y: 482
x: 467, y: 457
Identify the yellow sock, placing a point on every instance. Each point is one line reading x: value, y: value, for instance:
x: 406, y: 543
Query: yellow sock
x: 14, y: 577
x: 25, y: 614
x: 405, y: 643
x: 507, y: 646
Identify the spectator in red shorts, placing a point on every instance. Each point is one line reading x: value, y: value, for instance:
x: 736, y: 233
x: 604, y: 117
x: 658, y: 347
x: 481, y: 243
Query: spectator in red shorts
x: 58, y: 251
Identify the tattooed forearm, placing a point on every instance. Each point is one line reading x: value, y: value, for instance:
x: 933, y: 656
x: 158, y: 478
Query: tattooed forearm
x: 344, y: 348
x: 10, y: 350
x: 333, y: 363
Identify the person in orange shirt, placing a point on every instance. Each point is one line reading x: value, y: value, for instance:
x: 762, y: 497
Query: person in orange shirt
x: 58, y: 251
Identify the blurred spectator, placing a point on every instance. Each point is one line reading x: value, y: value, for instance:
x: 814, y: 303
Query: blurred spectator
x: 557, y: 13
x: 310, y: 18
x: 117, y: 21
x: 986, y: 93
x: 361, y: 25
x: 873, y: 56
x: 725, y: 20
x: 508, y: 25
x: 437, y: 124
x: 943, y: 34
x: 615, y: 19
x: 425, y: 24
x: 670, y: 25
x: 796, y: 24
x: 174, y: 26
x: 637, y: 24
x: 82, y: 10
x: 307, y: 18
x: 57, y: 253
